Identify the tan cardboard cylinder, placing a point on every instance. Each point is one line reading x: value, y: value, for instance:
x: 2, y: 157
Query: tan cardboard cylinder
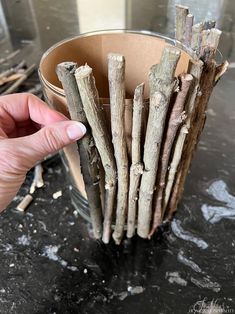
x: 141, y: 51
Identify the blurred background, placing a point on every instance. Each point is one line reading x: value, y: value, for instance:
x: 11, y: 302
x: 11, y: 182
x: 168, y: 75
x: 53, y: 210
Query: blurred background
x: 38, y: 24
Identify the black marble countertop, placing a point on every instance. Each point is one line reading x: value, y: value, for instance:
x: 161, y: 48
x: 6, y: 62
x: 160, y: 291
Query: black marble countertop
x: 49, y: 262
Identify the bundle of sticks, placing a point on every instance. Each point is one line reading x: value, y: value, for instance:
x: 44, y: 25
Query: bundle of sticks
x: 142, y: 189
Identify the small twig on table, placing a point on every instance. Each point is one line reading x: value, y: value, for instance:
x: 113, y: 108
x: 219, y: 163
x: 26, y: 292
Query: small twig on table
x: 177, y: 117
x: 24, y: 203
x: 162, y: 85
x: 38, y: 179
x: 10, y: 56
x: 95, y: 116
x: 11, y: 78
x: 88, y: 154
x: 12, y: 70
x: 17, y: 84
x: 116, y: 76
x: 137, y: 166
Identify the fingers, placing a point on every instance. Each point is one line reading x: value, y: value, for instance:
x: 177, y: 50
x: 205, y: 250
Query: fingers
x: 22, y: 107
x: 30, y: 149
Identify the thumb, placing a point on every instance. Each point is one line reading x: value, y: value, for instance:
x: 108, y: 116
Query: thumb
x: 49, y: 139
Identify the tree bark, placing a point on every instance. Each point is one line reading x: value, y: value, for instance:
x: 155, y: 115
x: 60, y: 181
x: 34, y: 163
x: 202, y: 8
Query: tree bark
x: 162, y: 84
x: 180, y: 22
x: 116, y: 76
x: 95, y: 117
x: 196, y: 37
x: 177, y: 117
x: 197, y: 123
x: 188, y: 30
x: 137, y: 166
x: 196, y: 71
x: 86, y: 147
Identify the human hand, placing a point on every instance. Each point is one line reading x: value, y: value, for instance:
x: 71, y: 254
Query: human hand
x: 29, y: 131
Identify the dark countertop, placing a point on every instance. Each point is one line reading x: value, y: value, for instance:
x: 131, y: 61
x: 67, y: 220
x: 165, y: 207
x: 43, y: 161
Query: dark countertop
x: 50, y: 264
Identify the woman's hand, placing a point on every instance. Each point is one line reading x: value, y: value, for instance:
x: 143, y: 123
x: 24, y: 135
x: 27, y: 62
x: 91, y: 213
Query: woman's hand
x: 29, y: 131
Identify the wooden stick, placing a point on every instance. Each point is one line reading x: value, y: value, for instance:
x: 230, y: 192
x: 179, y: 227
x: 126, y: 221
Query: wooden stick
x: 38, y: 179
x: 220, y: 70
x: 196, y: 37
x: 177, y: 117
x: 214, y: 37
x: 209, y: 24
x: 210, y: 41
x: 188, y: 30
x: 136, y: 167
x: 23, y: 78
x: 10, y: 56
x: 86, y: 147
x: 116, y: 76
x: 12, y: 70
x: 10, y: 78
x: 196, y: 71
x: 174, y: 168
x: 24, y: 203
x: 197, y: 123
x: 162, y: 84
x: 95, y: 117
x: 180, y: 22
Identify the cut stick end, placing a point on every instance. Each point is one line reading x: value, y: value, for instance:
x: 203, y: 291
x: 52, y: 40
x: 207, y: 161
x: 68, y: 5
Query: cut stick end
x: 143, y: 235
x: 24, y: 203
x: 116, y: 57
x: 171, y: 52
x: 181, y: 7
x: 83, y: 71
x: 117, y: 239
x: 65, y: 67
x: 187, y: 77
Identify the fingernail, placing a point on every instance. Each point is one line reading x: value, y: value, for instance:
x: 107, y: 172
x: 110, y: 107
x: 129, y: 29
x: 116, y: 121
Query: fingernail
x: 76, y: 130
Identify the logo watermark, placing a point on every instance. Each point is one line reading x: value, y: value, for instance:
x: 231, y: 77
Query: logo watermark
x: 210, y: 307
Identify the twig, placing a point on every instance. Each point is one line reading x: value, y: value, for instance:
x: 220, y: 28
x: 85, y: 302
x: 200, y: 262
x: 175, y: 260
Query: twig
x: 197, y: 123
x: 116, y: 76
x: 136, y: 167
x: 188, y: 30
x: 10, y: 78
x: 174, y: 168
x: 209, y: 45
x: 95, y: 117
x: 24, y: 77
x: 220, y: 70
x: 196, y: 71
x: 38, y: 179
x: 196, y: 37
x: 177, y: 117
x: 180, y: 22
x: 24, y: 203
x: 10, y: 56
x: 87, y: 151
x: 209, y: 24
x: 162, y: 84
x: 12, y: 70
